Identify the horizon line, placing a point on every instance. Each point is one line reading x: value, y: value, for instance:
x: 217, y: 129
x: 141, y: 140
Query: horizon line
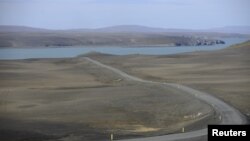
x: 138, y: 25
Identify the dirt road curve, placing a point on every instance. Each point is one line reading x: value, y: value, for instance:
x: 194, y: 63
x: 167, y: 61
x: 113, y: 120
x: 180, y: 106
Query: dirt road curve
x: 229, y: 115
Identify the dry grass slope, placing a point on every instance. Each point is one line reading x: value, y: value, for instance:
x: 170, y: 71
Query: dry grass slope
x: 224, y: 73
x: 73, y: 99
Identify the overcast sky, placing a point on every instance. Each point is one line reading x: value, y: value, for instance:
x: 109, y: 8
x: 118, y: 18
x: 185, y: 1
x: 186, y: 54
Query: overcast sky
x: 68, y: 14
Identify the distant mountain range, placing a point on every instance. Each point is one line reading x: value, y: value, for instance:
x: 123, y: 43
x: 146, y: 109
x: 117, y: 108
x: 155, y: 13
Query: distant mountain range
x: 122, y: 35
x: 231, y: 29
x: 132, y: 28
x: 10, y: 28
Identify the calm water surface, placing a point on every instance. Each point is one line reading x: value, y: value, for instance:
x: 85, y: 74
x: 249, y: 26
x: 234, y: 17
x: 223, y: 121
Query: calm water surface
x: 25, y: 53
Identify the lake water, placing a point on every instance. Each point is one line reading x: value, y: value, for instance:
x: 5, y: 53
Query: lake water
x: 25, y: 53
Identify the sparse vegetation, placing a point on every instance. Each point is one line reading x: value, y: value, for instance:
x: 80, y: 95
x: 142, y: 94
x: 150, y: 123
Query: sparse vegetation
x: 223, y: 73
x: 66, y: 99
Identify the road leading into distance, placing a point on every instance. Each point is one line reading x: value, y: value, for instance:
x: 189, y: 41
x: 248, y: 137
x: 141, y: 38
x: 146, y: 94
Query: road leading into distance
x: 228, y: 114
